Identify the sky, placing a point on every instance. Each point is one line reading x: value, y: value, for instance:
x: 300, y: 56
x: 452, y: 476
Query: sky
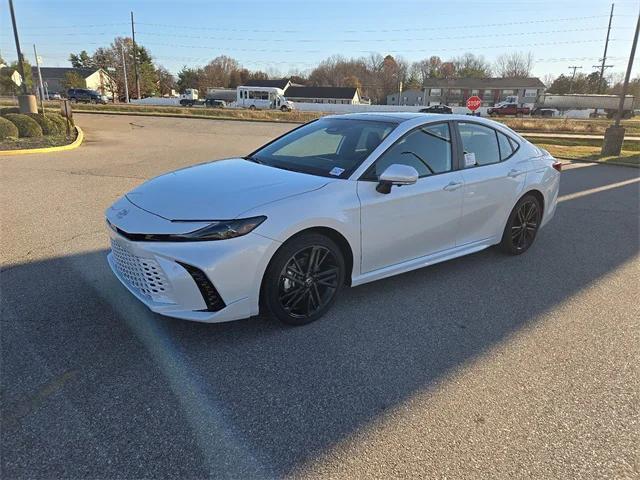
x: 286, y: 36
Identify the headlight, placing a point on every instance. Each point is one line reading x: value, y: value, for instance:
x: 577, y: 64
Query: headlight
x: 220, y: 230
x: 223, y: 229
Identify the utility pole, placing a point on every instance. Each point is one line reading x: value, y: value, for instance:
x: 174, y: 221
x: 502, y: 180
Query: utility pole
x: 573, y: 76
x: 20, y: 57
x: 27, y: 103
x: 124, y: 68
x: 35, y: 53
x: 135, y: 58
x: 614, y: 136
x: 604, y: 55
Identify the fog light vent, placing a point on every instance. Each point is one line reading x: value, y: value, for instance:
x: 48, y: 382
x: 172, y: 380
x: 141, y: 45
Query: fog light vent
x: 211, y: 297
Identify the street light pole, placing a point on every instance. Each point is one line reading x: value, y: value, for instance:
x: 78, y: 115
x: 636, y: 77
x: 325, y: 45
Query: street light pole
x: 35, y: 53
x: 614, y: 136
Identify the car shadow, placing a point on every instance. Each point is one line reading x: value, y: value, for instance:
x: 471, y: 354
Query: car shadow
x: 95, y: 385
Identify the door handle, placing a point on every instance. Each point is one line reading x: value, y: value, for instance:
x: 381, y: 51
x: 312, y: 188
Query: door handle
x: 452, y: 186
x: 513, y: 173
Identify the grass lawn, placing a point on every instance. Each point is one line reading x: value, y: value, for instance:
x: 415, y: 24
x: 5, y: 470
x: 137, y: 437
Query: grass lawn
x: 36, y: 142
x: 591, y: 154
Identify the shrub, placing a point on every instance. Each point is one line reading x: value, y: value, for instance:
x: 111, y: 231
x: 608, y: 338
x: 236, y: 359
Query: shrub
x: 7, y: 129
x: 5, y: 110
x: 49, y: 126
x: 60, y: 121
x: 27, y: 127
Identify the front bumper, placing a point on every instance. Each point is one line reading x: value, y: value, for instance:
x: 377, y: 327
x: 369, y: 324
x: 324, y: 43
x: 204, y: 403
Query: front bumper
x: 155, y: 273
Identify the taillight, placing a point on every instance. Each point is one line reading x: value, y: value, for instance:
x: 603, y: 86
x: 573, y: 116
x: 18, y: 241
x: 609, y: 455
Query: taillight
x: 557, y: 166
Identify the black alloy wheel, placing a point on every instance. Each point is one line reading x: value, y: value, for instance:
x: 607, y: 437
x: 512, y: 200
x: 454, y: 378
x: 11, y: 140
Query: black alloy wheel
x: 522, y: 226
x: 303, y: 279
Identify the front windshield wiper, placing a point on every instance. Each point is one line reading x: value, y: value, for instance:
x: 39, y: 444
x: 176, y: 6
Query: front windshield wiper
x: 254, y: 159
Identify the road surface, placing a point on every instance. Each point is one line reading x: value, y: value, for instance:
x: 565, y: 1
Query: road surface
x: 487, y: 366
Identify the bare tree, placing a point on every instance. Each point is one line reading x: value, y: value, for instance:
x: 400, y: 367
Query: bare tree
x: 470, y: 65
x: 514, y: 65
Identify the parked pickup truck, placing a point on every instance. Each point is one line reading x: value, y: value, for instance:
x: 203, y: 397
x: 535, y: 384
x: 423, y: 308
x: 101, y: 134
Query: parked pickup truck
x: 509, y: 109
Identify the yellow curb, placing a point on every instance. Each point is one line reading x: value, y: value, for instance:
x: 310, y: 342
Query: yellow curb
x: 75, y: 144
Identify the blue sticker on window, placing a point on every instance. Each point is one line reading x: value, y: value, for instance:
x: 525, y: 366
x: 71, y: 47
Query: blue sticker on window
x: 337, y: 171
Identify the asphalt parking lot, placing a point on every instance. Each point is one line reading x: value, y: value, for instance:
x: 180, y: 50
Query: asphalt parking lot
x: 487, y: 366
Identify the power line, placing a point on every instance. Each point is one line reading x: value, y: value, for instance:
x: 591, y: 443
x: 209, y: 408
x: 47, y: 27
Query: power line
x: 360, y: 40
x: 359, y: 31
x: 83, y: 25
x: 431, y: 50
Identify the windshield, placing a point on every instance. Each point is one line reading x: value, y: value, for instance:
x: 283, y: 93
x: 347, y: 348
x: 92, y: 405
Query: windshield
x: 330, y: 147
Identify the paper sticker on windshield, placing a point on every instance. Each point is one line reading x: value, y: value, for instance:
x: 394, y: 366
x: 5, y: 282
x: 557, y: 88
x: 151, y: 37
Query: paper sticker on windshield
x: 337, y: 171
x: 469, y: 159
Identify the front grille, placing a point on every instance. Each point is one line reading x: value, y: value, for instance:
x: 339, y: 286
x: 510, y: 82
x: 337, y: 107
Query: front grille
x: 209, y: 293
x: 143, y: 274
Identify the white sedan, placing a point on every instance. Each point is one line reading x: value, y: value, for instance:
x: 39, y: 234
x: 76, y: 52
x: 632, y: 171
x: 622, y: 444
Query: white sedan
x: 340, y: 201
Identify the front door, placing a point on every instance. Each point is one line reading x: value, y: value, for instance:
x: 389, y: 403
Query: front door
x: 412, y: 220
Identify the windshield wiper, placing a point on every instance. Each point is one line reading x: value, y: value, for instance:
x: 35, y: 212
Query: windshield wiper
x: 254, y: 159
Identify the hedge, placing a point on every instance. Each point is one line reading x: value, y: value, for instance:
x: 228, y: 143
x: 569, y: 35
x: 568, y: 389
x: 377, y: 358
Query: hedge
x: 60, y: 121
x: 7, y: 129
x: 5, y: 110
x: 27, y: 127
x: 49, y: 126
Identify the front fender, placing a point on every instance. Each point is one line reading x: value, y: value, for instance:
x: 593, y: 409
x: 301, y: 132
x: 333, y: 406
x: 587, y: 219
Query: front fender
x: 334, y: 206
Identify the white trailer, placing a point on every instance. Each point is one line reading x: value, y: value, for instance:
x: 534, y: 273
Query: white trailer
x: 547, y: 104
x: 262, y: 98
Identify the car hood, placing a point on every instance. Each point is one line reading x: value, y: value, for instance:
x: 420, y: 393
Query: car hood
x: 219, y: 190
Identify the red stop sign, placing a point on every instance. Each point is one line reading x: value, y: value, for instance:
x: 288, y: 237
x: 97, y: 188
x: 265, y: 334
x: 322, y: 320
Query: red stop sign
x: 474, y: 103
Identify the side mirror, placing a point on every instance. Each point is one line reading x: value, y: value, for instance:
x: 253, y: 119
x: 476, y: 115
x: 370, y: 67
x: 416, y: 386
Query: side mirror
x: 396, y: 174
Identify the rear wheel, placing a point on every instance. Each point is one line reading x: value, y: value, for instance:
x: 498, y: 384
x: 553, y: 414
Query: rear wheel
x: 252, y: 107
x: 303, y: 279
x: 522, y: 225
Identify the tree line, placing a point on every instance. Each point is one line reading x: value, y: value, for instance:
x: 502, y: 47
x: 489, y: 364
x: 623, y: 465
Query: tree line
x: 375, y: 75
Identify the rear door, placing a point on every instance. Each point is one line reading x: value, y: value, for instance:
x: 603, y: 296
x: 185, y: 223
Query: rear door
x: 412, y: 220
x: 493, y: 179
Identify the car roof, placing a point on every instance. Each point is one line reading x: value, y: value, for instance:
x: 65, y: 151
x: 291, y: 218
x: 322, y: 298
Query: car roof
x: 415, y: 119
x: 393, y: 117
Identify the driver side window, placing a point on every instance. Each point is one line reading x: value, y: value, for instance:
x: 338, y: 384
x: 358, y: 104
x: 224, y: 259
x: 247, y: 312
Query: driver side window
x: 427, y: 149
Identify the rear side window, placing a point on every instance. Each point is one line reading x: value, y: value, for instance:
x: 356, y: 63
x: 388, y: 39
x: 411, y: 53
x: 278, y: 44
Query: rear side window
x: 481, y: 141
x: 506, y: 149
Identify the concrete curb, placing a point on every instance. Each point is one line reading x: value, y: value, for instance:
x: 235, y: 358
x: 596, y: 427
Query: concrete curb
x: 616, y: 164
x: 71, y: 146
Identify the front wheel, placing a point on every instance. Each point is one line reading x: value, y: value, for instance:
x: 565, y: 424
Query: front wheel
x: 522, y: 225
x: 284, y: 108
x: 303, y: 279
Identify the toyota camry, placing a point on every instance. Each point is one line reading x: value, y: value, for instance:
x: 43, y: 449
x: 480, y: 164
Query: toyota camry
x: 340, y: 201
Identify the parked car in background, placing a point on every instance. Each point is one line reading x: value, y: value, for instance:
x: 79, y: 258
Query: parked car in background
x: 213, y: 103
x: 509, y: 109
x: 341, y: 201
x: 85, y: 95
x: 437, y: 109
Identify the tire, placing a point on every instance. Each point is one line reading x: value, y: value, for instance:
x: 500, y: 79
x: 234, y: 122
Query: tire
x: 284, y: 108
x: 296, y: 294
x: 73, y: 100
x: 252, y: 107
x: 515, y: 240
